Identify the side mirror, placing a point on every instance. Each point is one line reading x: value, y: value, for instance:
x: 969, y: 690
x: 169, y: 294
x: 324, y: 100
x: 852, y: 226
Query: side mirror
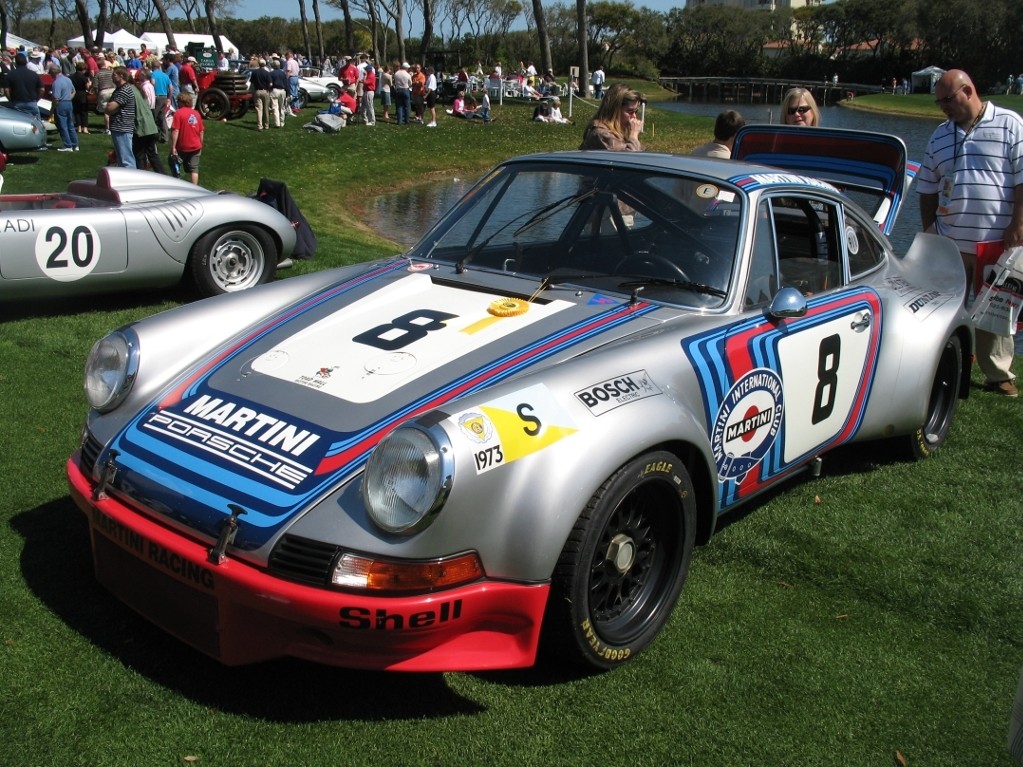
x: 787, y: 303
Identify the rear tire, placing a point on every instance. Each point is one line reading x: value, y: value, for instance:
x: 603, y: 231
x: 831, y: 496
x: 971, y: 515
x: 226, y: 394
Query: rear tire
x: 303, y: 99
x: 232, y: 258
x: 941, y: 407
x: 214, y: 104
x: 622, y: 569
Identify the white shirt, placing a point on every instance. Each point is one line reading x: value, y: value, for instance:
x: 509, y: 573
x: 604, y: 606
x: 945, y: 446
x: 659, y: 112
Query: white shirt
x: 974, y: 175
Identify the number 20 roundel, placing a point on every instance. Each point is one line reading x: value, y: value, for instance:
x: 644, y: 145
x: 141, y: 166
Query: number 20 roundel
x: 776, y: 392
x: 67, y: 254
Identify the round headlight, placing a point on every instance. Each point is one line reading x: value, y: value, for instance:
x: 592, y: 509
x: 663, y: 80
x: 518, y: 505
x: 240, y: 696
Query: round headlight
x: 407, y: 479
x: 110, y: 369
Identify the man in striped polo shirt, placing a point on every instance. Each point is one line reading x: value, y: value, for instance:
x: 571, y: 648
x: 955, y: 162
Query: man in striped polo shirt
x: 971, y: 190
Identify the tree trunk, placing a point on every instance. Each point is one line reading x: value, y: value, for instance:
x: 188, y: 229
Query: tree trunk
x: 546, y: 62
x: 161, y: 10
x: 52, y: 35
x: 304, y: 19
x: 319, y: 31
x: 101, y: 22
x: 584, y: 57
x: 424, y: 46
x: 211, y: 22
x: 4, y: 24
x: 82, y: 12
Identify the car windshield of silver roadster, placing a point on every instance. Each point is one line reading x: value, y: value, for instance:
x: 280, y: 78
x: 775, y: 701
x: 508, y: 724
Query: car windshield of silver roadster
x: 605, y: 228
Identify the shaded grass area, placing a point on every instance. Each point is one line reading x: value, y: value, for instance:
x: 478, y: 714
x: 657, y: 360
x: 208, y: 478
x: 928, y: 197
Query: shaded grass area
x: 863, y: 617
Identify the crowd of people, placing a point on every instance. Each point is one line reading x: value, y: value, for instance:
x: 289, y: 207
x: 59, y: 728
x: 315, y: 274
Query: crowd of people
x: 144, y: 100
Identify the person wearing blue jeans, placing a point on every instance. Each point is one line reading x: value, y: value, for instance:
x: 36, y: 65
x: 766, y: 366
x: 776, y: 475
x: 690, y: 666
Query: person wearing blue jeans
x: 402, y: 88
x: 121, y: 109
x: 293, y: 70
x: 63, y: 93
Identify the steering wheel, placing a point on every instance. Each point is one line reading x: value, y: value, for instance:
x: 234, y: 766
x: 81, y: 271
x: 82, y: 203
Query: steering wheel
x: 650, y: 259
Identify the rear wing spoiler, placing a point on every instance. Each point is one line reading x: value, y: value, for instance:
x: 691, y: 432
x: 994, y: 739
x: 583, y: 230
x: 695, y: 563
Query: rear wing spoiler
x: 871, y: 164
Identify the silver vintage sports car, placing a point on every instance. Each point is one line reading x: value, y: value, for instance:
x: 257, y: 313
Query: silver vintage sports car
x: 513, y: 435
x: 19, y: 132
x: 133, y: 229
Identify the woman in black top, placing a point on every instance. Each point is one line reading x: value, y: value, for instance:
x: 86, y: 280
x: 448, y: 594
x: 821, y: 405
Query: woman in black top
x: 80, y: 79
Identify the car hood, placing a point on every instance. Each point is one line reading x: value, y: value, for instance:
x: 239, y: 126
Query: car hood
x: 872, y: 163
x: 293, y: 407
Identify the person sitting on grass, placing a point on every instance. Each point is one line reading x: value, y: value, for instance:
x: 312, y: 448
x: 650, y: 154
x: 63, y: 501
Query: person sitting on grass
x: 472, y: 111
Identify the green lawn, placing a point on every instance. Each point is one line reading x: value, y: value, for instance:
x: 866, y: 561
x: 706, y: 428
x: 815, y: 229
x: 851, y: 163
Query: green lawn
x: 866, y: 618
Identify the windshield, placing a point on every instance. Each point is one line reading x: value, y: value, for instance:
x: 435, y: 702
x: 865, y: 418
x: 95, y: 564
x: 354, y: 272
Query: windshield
x: 603, y: 228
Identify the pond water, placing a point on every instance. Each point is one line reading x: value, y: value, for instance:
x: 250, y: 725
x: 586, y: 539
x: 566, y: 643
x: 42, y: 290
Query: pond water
x: 406, y: 215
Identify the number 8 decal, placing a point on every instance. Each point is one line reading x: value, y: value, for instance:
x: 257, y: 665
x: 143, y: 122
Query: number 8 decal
x: 827, y: 378
x: 404, y: 330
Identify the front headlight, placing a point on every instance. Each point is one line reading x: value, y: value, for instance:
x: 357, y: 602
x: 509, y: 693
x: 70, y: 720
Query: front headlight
x: 110, y: 369
x: 407, y: 479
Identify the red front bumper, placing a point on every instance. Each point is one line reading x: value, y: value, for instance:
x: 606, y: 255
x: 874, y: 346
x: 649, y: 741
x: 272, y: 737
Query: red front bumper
x: 239, y: 614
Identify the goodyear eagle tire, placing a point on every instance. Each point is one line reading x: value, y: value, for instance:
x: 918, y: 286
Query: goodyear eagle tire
x: 232, y: 258
x: 303, y: 99
x: 622, y: 569
x: 941, y: 406
x: 214, y: 104
x: 335, y: 91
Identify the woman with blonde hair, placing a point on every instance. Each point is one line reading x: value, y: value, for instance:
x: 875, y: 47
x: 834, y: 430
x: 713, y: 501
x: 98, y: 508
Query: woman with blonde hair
x: 799, y: 108
x: 616, y: 125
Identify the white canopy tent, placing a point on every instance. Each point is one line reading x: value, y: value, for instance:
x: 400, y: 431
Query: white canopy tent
x: 157, y: 41
x: 122, y: 38
x: 13, y: 41
x: 925, y: 80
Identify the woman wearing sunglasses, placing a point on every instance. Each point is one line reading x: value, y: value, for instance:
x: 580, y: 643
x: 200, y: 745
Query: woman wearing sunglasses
x: 617, y: 123
x: 799, y: 108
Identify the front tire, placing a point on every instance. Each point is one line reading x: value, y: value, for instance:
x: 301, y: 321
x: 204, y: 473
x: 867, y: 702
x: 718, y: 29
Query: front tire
x: 622, y: 569
x: 232, y: 258
x: 941, y: 406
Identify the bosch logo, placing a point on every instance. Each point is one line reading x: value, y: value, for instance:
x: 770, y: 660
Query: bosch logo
x: 601, y: 397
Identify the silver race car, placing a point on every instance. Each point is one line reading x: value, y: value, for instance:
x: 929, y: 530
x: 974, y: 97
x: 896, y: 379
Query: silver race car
x: 513, y: 435
x: 132, y: 229
x: 19, y: 132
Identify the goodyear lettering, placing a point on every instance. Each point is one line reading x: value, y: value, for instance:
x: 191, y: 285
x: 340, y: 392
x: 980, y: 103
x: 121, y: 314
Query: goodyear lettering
x: 658, y: 467
x: 749, y: 425
x: 167, y: 560
x: 19, y: 225
x: 607, y: 395
x: 381, y: 620
x: 599, y: 648
x: 250, y: 423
